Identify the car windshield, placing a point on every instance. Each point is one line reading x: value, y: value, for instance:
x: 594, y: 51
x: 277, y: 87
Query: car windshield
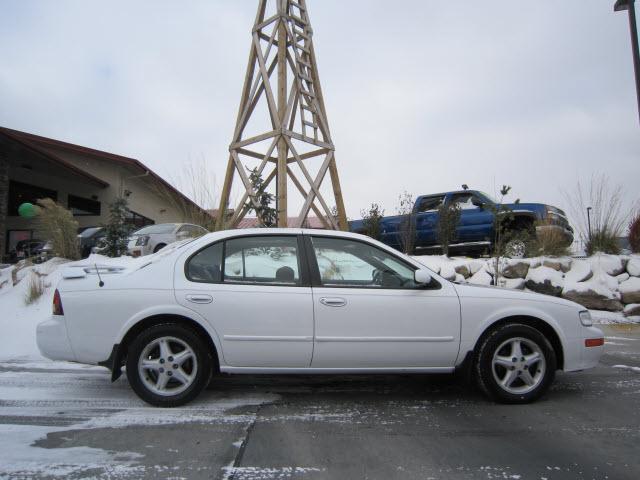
x: 88, y: 232
x: 151, y: 229
x: 487, y: 197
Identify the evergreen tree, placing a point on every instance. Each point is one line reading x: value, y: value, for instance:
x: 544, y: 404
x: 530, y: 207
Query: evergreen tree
x: 117, y: 230
x: 371, y: 220
x: 265, y: 212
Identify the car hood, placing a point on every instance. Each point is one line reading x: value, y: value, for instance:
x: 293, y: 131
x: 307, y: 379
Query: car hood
x: 483, y: 291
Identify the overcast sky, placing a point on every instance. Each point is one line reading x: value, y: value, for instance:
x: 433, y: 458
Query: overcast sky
x: 421, y: 95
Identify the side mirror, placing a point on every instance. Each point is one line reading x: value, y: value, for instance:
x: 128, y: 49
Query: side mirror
x: 478, y: 203
x: 422, y: 276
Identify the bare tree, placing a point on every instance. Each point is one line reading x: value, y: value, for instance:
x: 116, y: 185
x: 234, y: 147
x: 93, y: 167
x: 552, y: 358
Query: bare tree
x: 407, y: 225
x: 197, y: 183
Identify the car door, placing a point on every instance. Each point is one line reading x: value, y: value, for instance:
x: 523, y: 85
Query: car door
x: 426, y: 220
x: 256, y: 295
x: 369, y: 312
x: 476, y: 223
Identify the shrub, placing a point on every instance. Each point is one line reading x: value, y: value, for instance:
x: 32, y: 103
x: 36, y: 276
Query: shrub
x: 448, y: 219
x: 57, y: 224
x: 547, y: 242
x: 600, y: 204
x: 603, y: 240
x: 35, y: 289
x: 634, y: 234
x: 371, y: 220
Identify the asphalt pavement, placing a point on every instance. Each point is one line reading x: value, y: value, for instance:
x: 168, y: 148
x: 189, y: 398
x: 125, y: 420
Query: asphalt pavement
x: 61, y: 421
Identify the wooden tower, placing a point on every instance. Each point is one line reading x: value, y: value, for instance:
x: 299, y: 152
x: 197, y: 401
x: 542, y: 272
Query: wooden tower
x: 293, y: 144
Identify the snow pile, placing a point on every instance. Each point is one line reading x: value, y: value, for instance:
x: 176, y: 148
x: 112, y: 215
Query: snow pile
x: 601, y: 282
x: 21, y: 319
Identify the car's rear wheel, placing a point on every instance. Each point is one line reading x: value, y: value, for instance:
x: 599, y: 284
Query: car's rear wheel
x: 168, y: 365
x: 515, y: 363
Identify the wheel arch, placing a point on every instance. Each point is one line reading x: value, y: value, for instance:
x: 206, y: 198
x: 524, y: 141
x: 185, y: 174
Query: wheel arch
x: 118, y: 356
x: 542, y: 326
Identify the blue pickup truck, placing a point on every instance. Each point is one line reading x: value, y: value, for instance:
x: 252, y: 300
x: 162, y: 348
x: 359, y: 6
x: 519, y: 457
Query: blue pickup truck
x: 475, y: 231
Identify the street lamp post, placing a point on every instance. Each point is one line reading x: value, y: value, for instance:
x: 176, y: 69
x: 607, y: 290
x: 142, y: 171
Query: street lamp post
x: 629, y: 5
x: 589, y: 221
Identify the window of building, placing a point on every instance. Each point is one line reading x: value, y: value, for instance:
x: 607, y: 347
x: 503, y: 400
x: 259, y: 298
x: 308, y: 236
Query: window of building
x: 137, y: 220
x: 83, y: 206
x: 20, y: 193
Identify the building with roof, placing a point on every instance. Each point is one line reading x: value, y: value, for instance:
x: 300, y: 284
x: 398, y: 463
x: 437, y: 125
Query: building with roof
x: 83, y: 180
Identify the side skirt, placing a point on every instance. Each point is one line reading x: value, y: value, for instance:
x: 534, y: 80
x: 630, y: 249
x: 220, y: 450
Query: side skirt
x: 335, y: 371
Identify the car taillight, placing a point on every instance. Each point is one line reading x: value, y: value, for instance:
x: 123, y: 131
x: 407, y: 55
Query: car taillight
x: 57, y: 304
x: 594, y: 342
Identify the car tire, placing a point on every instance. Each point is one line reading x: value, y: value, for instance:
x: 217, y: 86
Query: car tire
x: 168, y: 365
x: 515, y: 363
x: 158, y: 247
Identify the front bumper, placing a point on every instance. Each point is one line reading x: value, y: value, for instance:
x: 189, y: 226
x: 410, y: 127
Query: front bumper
x: 52, y: 339
x: 580, y: 357
x: 566, y: 233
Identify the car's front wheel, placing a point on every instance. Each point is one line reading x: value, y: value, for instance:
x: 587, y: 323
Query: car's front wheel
x: 168, y: 365
x: 515, y: 363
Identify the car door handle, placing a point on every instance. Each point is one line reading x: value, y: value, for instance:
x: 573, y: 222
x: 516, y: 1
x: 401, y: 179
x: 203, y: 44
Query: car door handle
x: 200, y: 298
x: 333, y: 301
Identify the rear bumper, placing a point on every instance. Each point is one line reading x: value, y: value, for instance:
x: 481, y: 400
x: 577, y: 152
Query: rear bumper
x: 52, y: 339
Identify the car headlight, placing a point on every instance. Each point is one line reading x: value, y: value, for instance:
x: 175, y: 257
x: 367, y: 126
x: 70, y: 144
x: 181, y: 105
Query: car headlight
x: 142, y: 241
x: 585, y: 318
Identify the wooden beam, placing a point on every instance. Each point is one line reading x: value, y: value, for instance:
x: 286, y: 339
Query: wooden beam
x: 281, y: 188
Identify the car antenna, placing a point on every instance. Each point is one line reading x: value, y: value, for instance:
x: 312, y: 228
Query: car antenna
x: 100, y: 283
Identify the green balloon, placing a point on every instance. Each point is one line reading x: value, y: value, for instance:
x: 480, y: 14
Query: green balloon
x: 27, y: 210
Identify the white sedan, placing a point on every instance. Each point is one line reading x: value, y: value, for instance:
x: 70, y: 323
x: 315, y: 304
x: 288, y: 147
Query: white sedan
x: 282, y: 301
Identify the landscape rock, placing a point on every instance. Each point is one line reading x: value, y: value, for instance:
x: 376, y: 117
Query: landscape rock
x: 631, y: 310
x: 448, y: 272
x: 545, y: 280
x: 593, y: 300
x: 609, y: 264
x: 559, y: 264
x: 481, y: 277
x: 630, y: 290
x: 580, y: 272
x: 598, y: 293
x: 463, y: 269
x: 623, y: 277
x: 516, y: 269
x: 633, y: 266
x: 475, y: 266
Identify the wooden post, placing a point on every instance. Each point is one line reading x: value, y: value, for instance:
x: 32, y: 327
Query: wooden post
x: 282, y: 44
x: 281, y: 190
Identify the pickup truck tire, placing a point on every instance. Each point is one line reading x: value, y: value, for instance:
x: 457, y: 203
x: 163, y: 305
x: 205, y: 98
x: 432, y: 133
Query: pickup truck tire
x: 159, y: 247
x: 515, y: 364
x: 168, y: 365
